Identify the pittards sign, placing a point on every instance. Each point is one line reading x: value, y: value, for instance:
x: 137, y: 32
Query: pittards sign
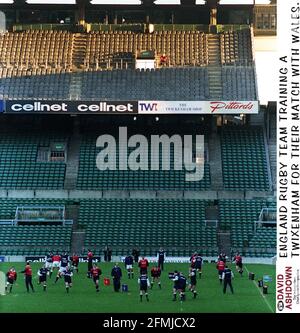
x: 233, y: 107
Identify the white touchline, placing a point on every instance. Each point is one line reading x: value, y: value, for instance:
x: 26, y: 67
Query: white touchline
x: 264, y: 298
x: 2, y: 283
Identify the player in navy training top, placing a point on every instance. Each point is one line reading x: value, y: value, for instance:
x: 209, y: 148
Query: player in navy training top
x: 116, y: 273
x: 68, y: 278
x: 193, y: 280
x: 129, y: 266
x: 42, y: 273
x: 227, y: 277
x: 64, y: 263
x: 198, y: 264
x: 161, y: 258
x: 179, y: 285
x: 144, y: 283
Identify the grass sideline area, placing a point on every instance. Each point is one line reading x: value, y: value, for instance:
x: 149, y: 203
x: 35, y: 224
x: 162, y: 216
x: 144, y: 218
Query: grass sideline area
x: 248, y: 298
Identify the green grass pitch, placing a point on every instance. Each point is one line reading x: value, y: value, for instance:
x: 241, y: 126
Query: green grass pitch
x: 248, y: 298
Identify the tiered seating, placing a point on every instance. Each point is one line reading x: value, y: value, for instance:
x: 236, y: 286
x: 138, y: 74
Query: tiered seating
x: 27, y: 237
x: 244, y: 159
x: 8, y: 206
x: 19, y: 168
x: 31, y: 239
x: 105, y: 49
x: 148, y: 223
x: 89, y: 177
x: 34, y: 84
x: 163, y: 84
x: 265, y: 237
x: 239, y: 216
x: 36, y: 48
x: 236, y: 47
x: 239, y: 83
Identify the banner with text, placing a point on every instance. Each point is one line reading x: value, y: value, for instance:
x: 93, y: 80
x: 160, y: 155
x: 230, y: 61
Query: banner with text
x: 130, y: 107
x: 42, y: 259
x: 198, y: 107
x: 66, y: 107
x: 288, y: 158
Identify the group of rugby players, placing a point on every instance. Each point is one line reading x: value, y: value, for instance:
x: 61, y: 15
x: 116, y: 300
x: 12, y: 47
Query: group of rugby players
x: 52, y: 261
x: 65, y: 270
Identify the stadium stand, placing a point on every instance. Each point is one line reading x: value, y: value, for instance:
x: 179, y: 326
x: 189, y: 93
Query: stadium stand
x: 236, y: 47
x: 34, y: 84
x: 28, y: 238
x: 90, y: 177
x: 244, y: 159
x: 19, y: 164
x: 239, y: 216
x: 47, y: 64
x: 178, y: 225
x: 238, y: 83
x: 100, y: 65
x: 31, y: 239
x: 167, y: 83
x: 36, y: 49
x: 105, y: 48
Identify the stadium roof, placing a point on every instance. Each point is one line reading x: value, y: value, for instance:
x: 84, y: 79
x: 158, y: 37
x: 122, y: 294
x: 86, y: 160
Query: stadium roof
x: 139, y: 2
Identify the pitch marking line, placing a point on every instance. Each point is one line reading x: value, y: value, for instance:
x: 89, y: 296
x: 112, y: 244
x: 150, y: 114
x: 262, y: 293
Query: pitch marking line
x: 2, y: 284
x: 261, y: 294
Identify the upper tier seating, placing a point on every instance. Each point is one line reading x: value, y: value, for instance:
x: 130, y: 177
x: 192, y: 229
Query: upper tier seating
x: 236, y: 47
x: 181, y: 47
x: 36, y: 49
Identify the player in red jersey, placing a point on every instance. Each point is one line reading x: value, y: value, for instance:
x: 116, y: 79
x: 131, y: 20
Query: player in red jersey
x: 95, y: 273
x: 11, y: 278
x: 238, y: 263
x: 220, y: 267
x: 143, y: 265
x: 55, y: 263
x: 155, y: 274
x: 90, y: 256
x: 28, y: 276
x: 75, y: 262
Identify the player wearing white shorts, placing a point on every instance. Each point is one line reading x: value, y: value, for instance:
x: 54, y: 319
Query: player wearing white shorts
x: 64, y: 263
x: 49, y: 263
x: 129, y: 264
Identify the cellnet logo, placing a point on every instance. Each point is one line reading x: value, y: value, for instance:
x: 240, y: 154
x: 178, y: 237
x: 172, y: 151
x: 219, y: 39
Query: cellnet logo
x: 133, y: 153
x: 105, y: 107
x: 60, y: 107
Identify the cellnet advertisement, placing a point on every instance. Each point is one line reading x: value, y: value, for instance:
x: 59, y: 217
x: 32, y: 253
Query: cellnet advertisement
x: 132, y: 107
